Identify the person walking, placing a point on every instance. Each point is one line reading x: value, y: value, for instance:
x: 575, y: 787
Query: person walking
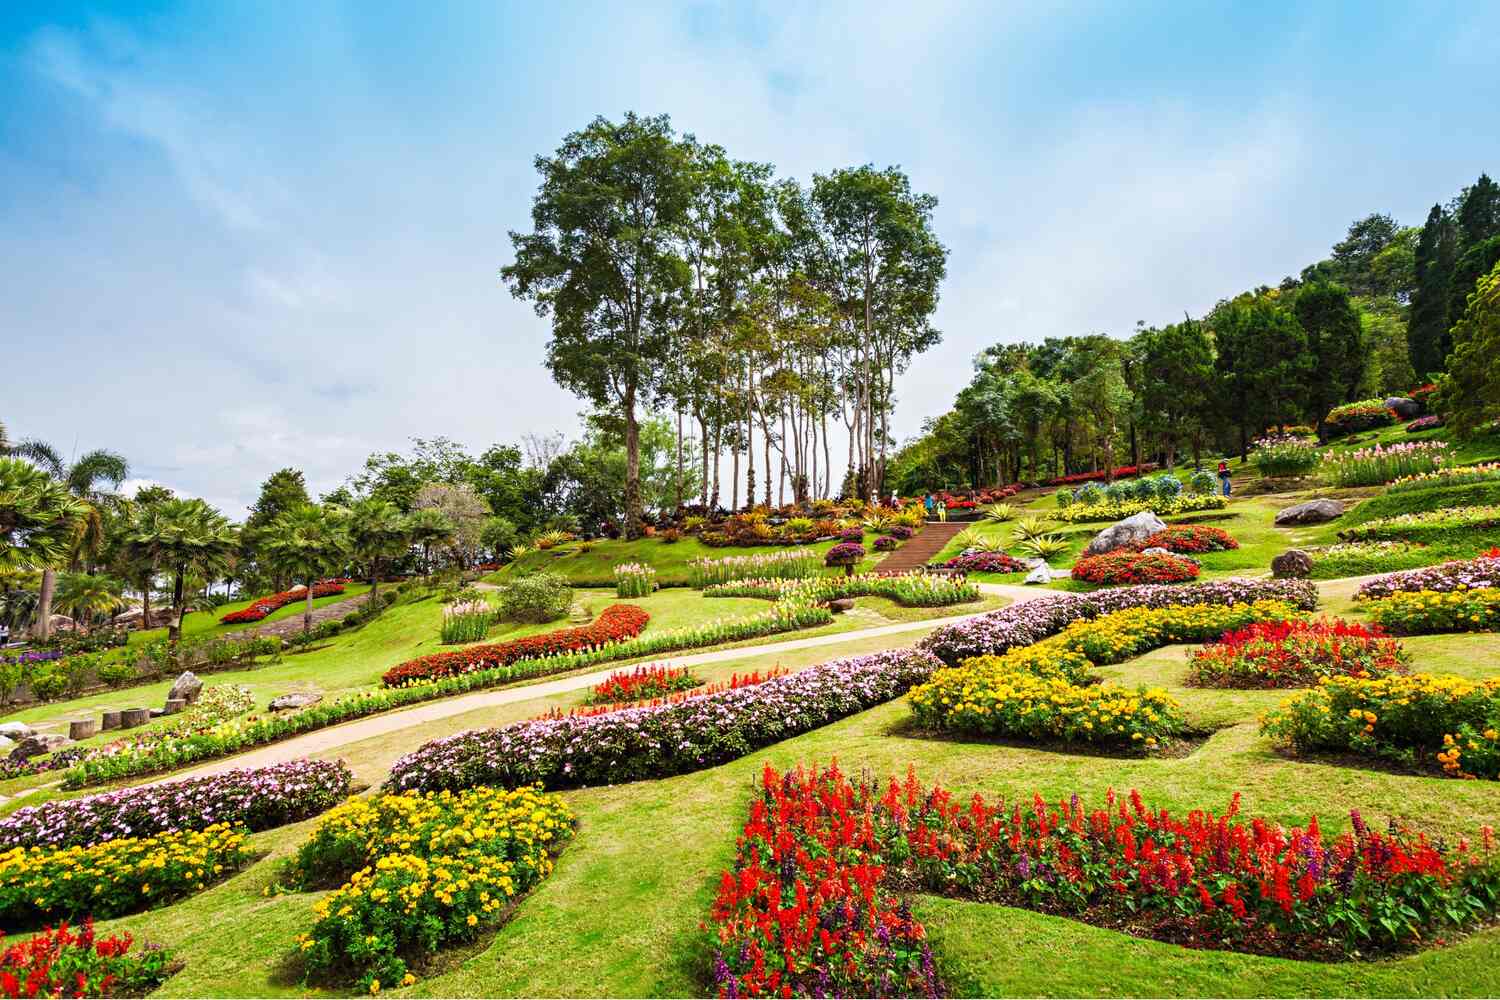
x: 927, y: 504
x: 1224, y: 476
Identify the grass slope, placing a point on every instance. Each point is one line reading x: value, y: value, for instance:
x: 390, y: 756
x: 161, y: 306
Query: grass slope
x: 206, y: 624
x: 596, y: 567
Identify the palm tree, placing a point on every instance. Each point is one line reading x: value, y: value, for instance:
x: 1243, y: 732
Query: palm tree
x: 429, y: 527
x: 306, y: 542
x: 180, y: 536
x: 85, y: 597
x: 377, y: 531
x: 39, y: 519
x: 82, y: 479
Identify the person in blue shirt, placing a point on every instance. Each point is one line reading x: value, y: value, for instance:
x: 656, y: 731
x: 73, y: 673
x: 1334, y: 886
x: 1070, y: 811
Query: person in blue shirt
x: 928, y: 505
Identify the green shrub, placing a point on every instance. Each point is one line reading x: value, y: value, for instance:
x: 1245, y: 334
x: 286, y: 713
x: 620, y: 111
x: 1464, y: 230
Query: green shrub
x: 536, y: 599
x: 117, y: 673
x: 1203, y: 482
x: 48, y: 684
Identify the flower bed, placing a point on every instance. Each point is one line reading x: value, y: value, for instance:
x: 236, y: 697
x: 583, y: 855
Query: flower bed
x: 1424, y: 612
x: 1430, y: 422
x: 69, y: 961
x: 256, y: 799
x: 1189, y: 877
x: 1123, y: 472
x: 1122, y: 635
x: 1116, y: 510
x: 614, y: 624
x: 916, y: 589
x: 1031, y: 621
x: 1329, y: 562
x: 1127, y: 567
x: 1363, y: 415
x: 1445, y: 525
x: 1188, y: 539
x: 1284, y: 455
x: 985, y: 562
x: 1420, y: 719
x: 1461, y: 574
x: 735, y: 682
x: 273, y: 602
x: 656, y: 742
x: 1455, y: 475
x: 415, y: 878
x: 1382, y: 464
x: 116, y: 877
x: 634, y: 580
x: 1291, y: 654
x: 643, y: 682
x: 466, y: 621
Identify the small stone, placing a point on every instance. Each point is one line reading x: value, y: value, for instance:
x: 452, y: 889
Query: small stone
x: 16, y: 730
x: 1156, y: 550
x: 187, y: 686
x: 1293, y: 564
x: 841, y: 604
x: 1040, y: 574
x: 38, y: 744
x: 294, y: 699
x: 1312, y: 512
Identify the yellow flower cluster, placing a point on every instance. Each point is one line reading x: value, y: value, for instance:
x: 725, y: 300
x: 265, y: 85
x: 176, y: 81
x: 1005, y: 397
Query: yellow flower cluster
x: 414, y: 861
x: 117, y: 876
x: 1116, y: 637
x: 1418, y: 612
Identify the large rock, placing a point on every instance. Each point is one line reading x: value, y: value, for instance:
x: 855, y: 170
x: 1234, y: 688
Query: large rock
x: 1405, y: 408
x: 1312, y: 512
x: 35, y: 746
x: 1293, y: 564
x: 1039, y: 574
x: 187, y: 687
x: 841, y: 604
x: 1133, y: 530
x: 294, y: 700
x: 15, y: 730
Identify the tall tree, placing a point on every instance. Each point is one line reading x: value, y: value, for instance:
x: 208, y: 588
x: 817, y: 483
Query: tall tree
x: 284, y: 490
x: 307, y: 542
x: 1354, y: 256
x: 1335, y: 343
x: 1427, y: 326
x: 182, y: 537
x: 604, y: 261
x: 1174, y: 379
x: 39, y: 519
x: 1474, y: 263
x: 1471, y: 390
x: 378, y: 531
x: 1262, y: 365
x: 1478, y: 214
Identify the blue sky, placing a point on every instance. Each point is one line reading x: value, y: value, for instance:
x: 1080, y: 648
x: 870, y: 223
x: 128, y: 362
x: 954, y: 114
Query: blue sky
x: 235, y: 237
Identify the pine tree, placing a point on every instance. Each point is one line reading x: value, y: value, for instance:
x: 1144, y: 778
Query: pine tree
x: 1478, y: 214
x: 1335, y: 340
x: 1427, y: 326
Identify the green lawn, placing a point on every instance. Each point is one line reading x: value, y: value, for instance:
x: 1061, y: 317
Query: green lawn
x: 620, y: 915
x: 206, y: 624
x: 596, y: 567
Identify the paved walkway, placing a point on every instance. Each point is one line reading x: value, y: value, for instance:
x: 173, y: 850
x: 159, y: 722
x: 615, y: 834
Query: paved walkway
x: 323, y: 740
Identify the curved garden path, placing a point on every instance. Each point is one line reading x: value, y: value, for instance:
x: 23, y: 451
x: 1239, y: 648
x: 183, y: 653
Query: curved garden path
x: 323, y: 740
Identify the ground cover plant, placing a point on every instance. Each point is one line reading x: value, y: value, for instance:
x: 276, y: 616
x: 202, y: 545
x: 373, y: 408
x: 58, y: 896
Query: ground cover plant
x: 1114, y: 510
x: 1128, y: 567
x: 1453, y: 475
x: 641, y: 683
x: 655, y: 741
x: 984, y: 562
x: 263, y: 606
x: 39, y: 884
x: 735, y: 681
x: 1445, y: 526
x: 74, y: 961
x: 416, y: 873
x: 1200, y: 879
x: 1426, y: 498
x: 917, y: 589
x: 1458, y: 574
x: 1420, y: 720
x: 1295, y: 653
x: 1361, y: 415
x: 1329, y: 562
x: 1189, y: 539
x: 1380, y: 464
x: 1423, y: 612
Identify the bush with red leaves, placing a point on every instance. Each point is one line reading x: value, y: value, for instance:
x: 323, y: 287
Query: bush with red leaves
x: 1129, y: 567
x: 1191, y: 538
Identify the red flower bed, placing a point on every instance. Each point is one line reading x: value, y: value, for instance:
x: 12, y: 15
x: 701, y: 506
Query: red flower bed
x: 809, y: 907
x: 985, y: 562
x: 1123, y: 472
x: 735, y: 682
x: 263, y: 607
x: 1292, y: 654
x: 614, y: 624
x: 74, y: 963
x: 1131, y: 567
x: 651, y: 681
x: 1189, y: 538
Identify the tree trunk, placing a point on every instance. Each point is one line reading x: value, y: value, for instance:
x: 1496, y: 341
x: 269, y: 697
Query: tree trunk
x: 632, y: 467
x: 307, y: 607
x: 679, y: 460
x: 174, y: 631
x: 146, y: 604
x: 375, y: 582
x: 43, y: 628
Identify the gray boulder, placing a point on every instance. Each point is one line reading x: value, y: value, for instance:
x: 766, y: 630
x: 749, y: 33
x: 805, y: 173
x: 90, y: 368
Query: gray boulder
x: 15, y: 730
x: 187, y: 687
x: 35, y: 746
x: 841, y: 604
x: 1131, y: 531
x: 294, y: 700
x: 1405, y: 408
x: 1293, y: 564
x: 1156, y: 550
x: 1039, y: 574
x: 1312, y: 512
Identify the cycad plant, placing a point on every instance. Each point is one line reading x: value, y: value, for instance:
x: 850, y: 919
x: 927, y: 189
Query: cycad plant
x: 1044, y: 546
x: 1031, y: 527
x: 999, y: 512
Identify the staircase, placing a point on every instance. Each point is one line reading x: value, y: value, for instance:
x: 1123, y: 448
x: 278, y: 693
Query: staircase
x: 914, y: 553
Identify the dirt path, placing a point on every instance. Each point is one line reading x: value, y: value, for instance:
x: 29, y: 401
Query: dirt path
x: 293, y: 623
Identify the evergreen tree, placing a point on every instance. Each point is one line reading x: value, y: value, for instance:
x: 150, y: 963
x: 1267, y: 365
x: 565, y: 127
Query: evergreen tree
x: 285, y: 490
x: 1471, y: 391
x: 1354, y: 255
x: 1476, y: 262
x: 1478, y: 214
x: 1336, y: 344
x: 1262, y: 367
x: 1427, y: 326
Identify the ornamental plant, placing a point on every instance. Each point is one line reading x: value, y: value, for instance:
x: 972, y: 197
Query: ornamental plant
x: 420, y: 872
x: 1329, y: 562
x: 1130, y: 567
x: 1420, y: 720
x: 1424, y: 612
x: 1030, y: 622
x: 1221, y: 881
x: 121, y: 876
x: 1295, y: 654
x: 915, y: 589
x: 640, y: 683
x: 634, y: 580
x: 634, y: 744
x: 1362, y: 415
x: 1380, y: 464
x: 886, y: 543
x: 1279, y: 456
x: 1459, y: 574
x: 254, y: 799
x: 1123, y: 635
x: 263, y: 606
x: 845, y: 554
x: 735, y: 682
x: 985, y: 562
x: 1189, y: 539
x: 1427, y: 423
x: 74, y: 961
x: 1081, y: 512
x: 466, y: 621
x: 791, y: 564
x: 536, y: 599
x: 1448, y: 525
x: 1456, y: 475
